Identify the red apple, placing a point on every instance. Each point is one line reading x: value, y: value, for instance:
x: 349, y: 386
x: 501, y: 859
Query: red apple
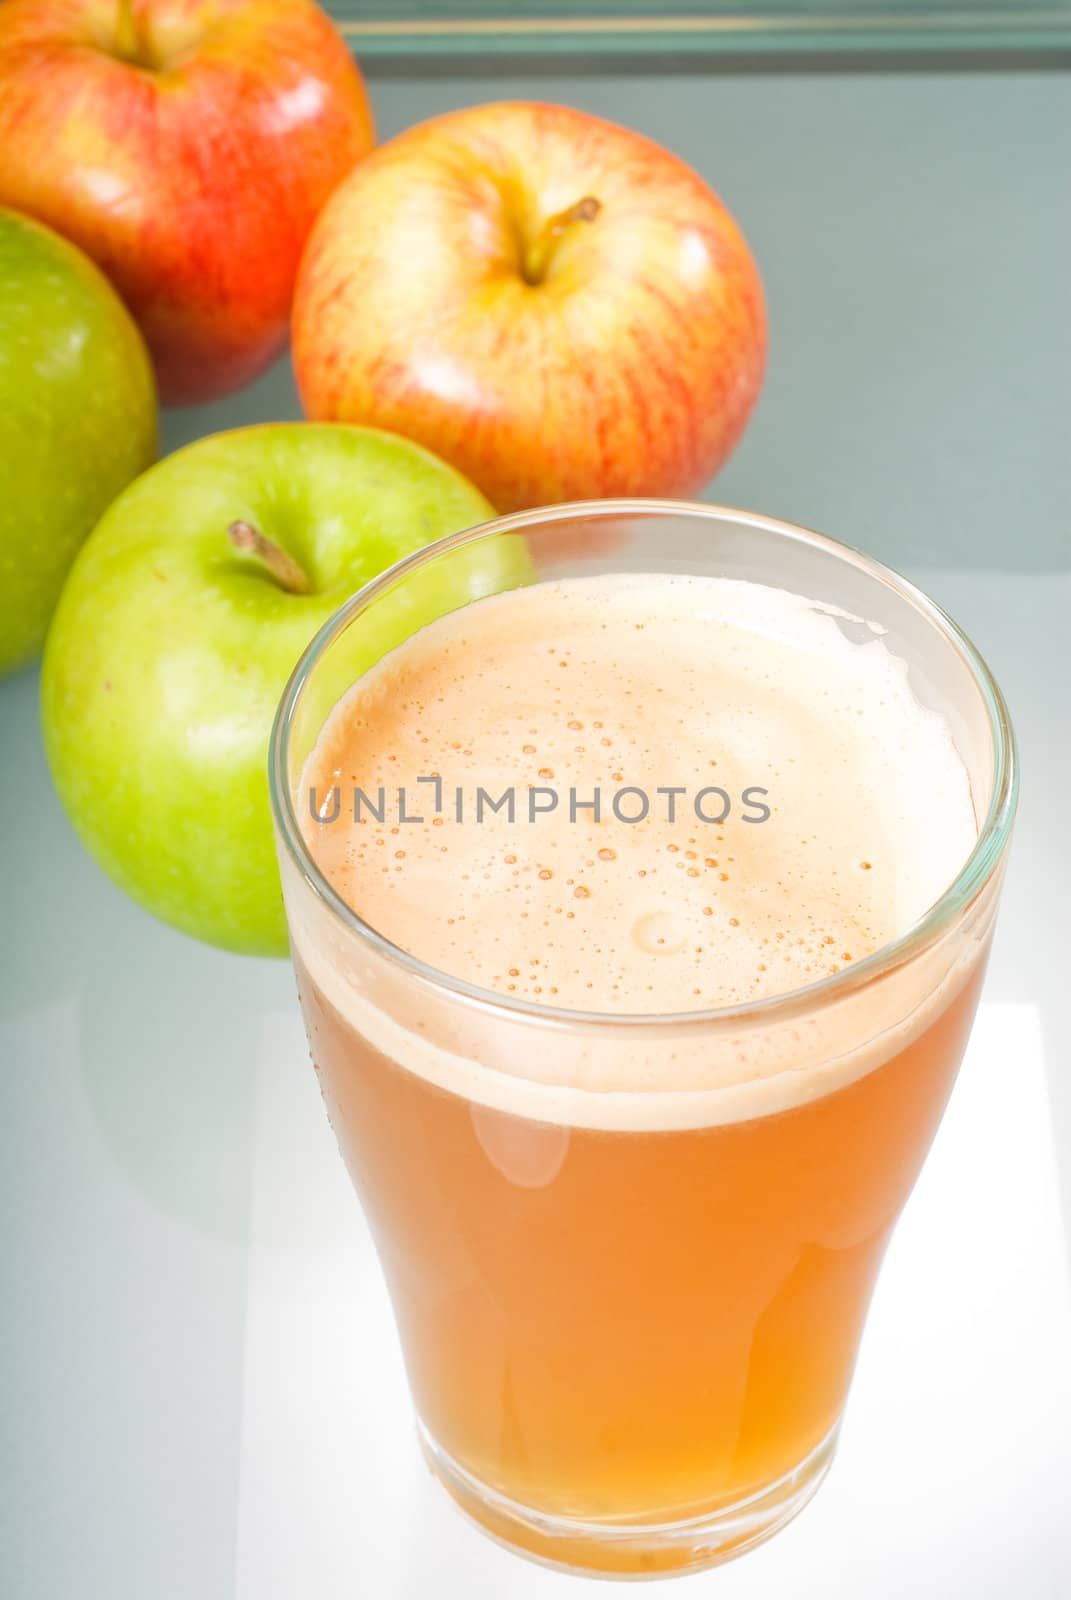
x: 556, y: 305
x: 187, y: 146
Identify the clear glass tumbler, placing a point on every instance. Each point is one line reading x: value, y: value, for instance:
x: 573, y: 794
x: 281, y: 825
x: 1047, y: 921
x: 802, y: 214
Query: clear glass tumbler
x: 630, y: 1336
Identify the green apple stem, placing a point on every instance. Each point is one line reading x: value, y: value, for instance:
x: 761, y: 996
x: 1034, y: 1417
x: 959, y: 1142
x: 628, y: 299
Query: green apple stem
x: 276, y: 561
x: 535, y: 257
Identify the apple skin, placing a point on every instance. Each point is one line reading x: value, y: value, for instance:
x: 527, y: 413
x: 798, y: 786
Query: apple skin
x: 77, y: 419
x: 169, y: 651
x: 191, y: 175
x: 631, y: 368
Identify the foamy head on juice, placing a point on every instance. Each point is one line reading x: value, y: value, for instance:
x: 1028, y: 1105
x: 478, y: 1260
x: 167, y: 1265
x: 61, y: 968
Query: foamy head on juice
x: 849, y: 814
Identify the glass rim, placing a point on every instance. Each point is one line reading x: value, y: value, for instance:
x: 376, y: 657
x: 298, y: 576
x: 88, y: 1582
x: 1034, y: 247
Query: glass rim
x: 993, y: 833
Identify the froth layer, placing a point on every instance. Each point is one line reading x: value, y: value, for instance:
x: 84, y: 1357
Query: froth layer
x: 709, y: 687
x: 629, y: 1077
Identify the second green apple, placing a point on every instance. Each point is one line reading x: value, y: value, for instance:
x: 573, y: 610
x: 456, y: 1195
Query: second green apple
x: 77, y: 420
x: 171, y: 647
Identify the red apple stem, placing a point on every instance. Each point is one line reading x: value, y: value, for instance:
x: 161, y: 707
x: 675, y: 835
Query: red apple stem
x: 277, y: 562
x: 128, y: 40
x: 535, y: 258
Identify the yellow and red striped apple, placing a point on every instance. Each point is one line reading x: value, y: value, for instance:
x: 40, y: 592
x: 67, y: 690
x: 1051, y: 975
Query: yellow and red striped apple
x: 187, y: 147
x: 556, y: 305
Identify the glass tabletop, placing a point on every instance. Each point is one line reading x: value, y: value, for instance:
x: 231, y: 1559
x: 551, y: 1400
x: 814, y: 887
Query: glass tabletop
x: 173, y: 1334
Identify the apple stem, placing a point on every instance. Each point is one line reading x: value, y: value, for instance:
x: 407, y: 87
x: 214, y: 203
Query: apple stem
x: 128, y: 40
x: 276, y: 561
x: 535, y: 258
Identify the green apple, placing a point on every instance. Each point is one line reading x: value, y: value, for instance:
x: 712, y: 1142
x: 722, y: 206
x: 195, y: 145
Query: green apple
x: 183, y: 616
x: 77, y: 419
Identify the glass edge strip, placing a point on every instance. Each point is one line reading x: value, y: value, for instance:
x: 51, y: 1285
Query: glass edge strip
x: 973, y: 29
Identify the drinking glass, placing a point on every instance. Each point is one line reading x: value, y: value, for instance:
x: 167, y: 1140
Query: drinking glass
x: 629, y: 1257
